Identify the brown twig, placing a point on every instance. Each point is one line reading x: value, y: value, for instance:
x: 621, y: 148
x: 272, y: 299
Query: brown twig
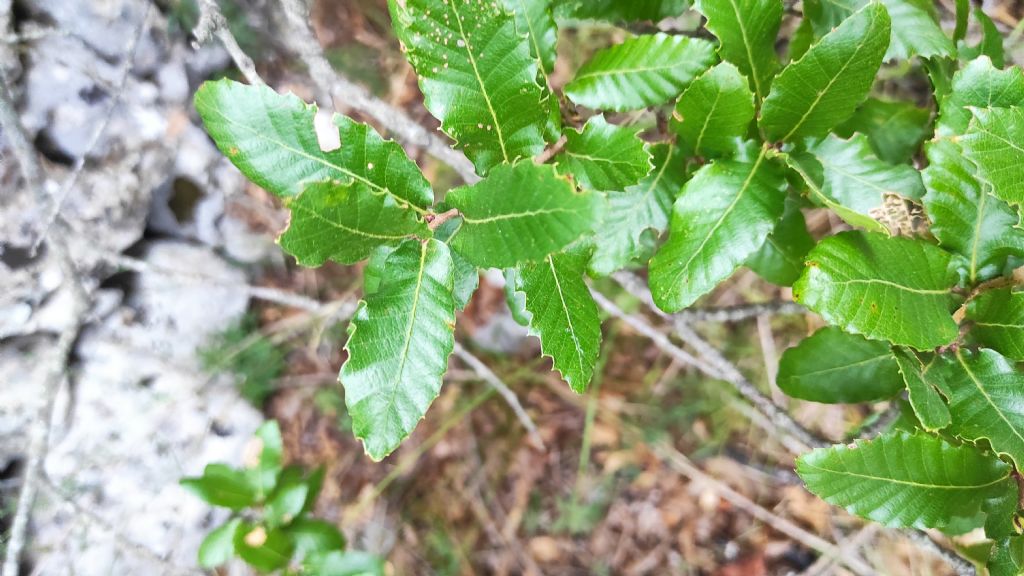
x: 213, y: 23
x: 551, y: 151
x: 435, y: 221
x: 339, y: 89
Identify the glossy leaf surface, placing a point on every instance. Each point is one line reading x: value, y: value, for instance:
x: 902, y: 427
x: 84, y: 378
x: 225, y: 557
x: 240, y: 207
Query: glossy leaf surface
x: 604, y: 157
x: 834, y: 367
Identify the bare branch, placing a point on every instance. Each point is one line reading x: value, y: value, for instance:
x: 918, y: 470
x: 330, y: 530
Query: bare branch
x: 331, y: 84
x: 503, y: 390
x: 734, y: 314
x: 213, y: 23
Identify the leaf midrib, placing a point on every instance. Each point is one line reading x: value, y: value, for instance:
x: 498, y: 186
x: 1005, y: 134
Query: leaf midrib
x: 750, y: 54
x: 480, y: 80
x: 872, y: 360
x: 988, y: 399
x: 516, y: 215
x: 905, y: 482
x: 923, y: 291
x: 568, y: 316
x: 334, y: 224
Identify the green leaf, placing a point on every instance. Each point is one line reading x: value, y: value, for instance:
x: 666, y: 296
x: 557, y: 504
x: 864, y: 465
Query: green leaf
x: 998, y: 318
x: 966, y: 219
x: 264, y: 549
x: 515, y: 299
x: 724, y: 215
x: 986, y: 401
x: 979, y: 84
x: 922, y: 387
x: 746, y: 31
x: 271, y: 455
x: 894, y: 289
x: 343, y: 222
x: 312, y: 536
x: 834, y: 367
x: 901, y: 479
x: 855, y: 179
x: 640, y: 210
x: 456, y: 48
x: 801, y: 40
x: 917, y: 30
x: 823, y: 88
x: 288, y: 498
x: 519, y: 214
x: 604, y: 157
x: 642, y: 71
x: 467, y: 276
x: 399, y: 346
x: 991, y: 44
x: 894, y: 129
x: 534, y: 19
x: 219, y: 546
x: 995, y: 143
x: 1008, y: 557
x: 617, y: 10
x: 345, y: 564
x: 221, y: 485
x: 714, y: 112
x: 781, y: 259
x: 563, y: 314
x: 271, y: 139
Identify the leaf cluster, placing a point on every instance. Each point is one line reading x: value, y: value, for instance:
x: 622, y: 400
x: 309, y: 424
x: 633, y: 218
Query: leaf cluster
x: 738, y: 143
x: 270, y: 527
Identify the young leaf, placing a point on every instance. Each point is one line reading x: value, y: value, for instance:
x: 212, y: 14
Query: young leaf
x: 901, y: 479
x: 714, y: 112
x: 639, y: 210
x: 746, y: 31
x: 986, y: 400
x: 617, y: 10
x: 345, y: 222
x: 822, y: 89
x: 724, y: 215
x: 534, y: 19
x: 563, y: 314
x: 894, y: 289
x: 399, y: 346
x: 264, y: 549
x: 312, y: 536
x: 477, y: 77
x: 642, y: 71
x: 894, y: 129
x: 604, y: 157
x: 998, y: 318
x: 781, y: 259
x: 966, y: 219
x: 834, y: 367
x: 219, y: 546
x: 467, y: 276
x: 852, y: 177
x: 993, y: 143
x: 981, y: 85
x: 922, y: 387
x: 221, y: 485
x: 502, y: 229
x: 271, y: 139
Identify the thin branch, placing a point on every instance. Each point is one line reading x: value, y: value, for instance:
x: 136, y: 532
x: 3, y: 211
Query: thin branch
x: 488, y: 376
x: 89, y: 517
x: 773, y: 421
x: 734, y: 314
x: 39, y: 434
x: 126, y: 66
x: 213, y: 23
x: 722, y: 368
x: 303, y: 41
